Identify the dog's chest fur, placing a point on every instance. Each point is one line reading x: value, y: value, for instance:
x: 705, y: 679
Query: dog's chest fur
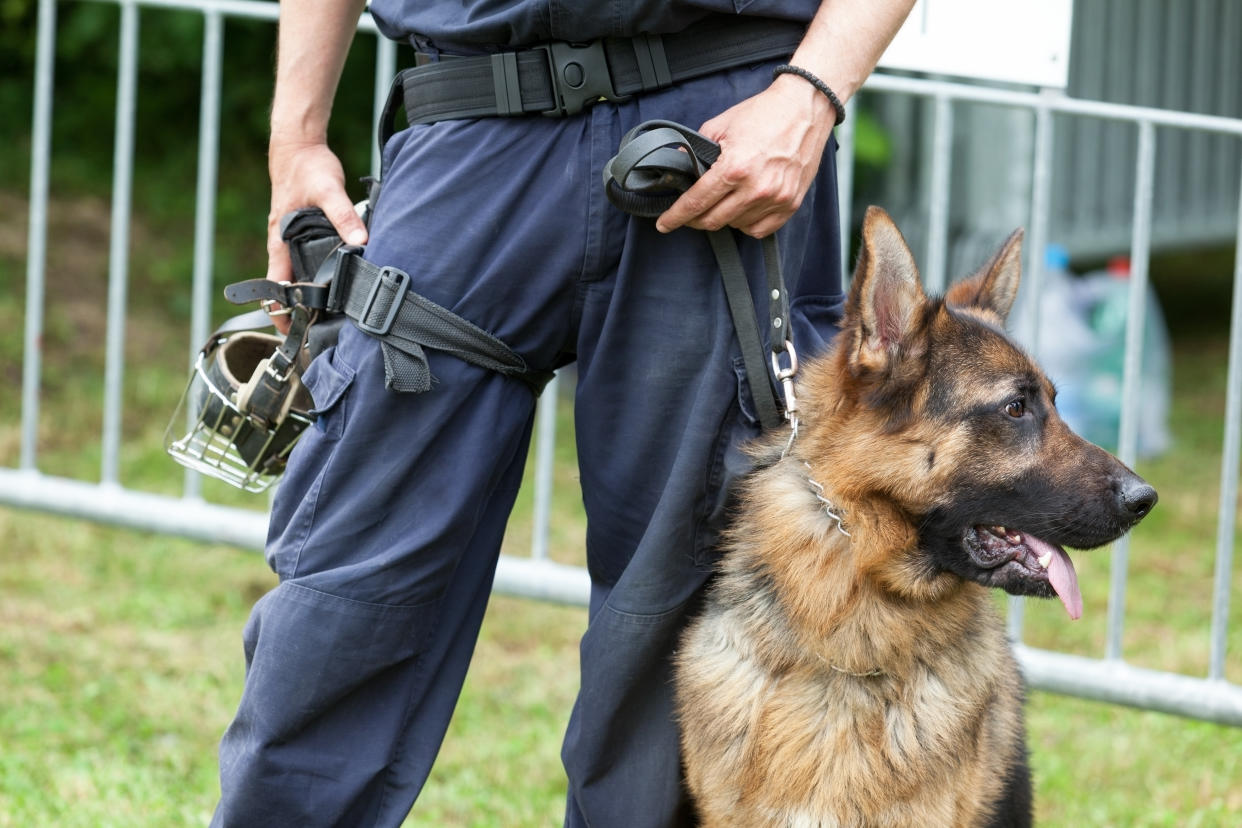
x: 815, y: 699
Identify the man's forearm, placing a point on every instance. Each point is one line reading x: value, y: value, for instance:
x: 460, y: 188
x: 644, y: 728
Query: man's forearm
x: 314, y: 40
x: 846, y: 39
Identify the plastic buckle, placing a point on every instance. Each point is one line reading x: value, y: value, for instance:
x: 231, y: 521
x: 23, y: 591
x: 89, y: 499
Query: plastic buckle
x: 580, y: 76
x: 332, y: 273
x: 403, y: 281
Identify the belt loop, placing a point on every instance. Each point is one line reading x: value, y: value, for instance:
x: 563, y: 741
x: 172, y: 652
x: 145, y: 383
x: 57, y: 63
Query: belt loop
x: 505, y: 79
x: 652, y: 61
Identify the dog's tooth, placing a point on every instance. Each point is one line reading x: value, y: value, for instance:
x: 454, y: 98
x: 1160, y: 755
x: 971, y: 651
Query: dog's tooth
x: 1045, y: 559
x: 1014, y: 538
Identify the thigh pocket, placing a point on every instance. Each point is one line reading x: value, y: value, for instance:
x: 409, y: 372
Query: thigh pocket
x: 327, y: 379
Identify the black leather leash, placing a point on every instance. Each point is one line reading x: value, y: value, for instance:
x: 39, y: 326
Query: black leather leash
x: 656, y: 163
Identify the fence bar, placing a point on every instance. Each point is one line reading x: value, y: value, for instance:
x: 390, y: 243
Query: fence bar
x: 1140, y: 257
x: 1041, y: 201
x: 1227, y: 511
x: 1058, y: 103
x: 1120, y: 683
x: 118, y: 254
x: 252, y: 9
x: 543, y: 580
x: 203, y: 521
x: 938, y: 216
x: 1033, y: 276
x: 36, y: 233
x: 205, y: 199
x: 385, y: 69
x: 545, y: 461
x: 1132, y: 376
x: 845, y: 192
x: 248, y: 9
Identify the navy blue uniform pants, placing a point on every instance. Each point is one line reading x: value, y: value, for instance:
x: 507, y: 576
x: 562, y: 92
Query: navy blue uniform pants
x: 386, y: 529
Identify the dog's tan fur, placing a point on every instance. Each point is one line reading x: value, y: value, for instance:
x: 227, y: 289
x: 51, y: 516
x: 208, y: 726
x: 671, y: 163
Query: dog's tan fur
x: 833, y: 680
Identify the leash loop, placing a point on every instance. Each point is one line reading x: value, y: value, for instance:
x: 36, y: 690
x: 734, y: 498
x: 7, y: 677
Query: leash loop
x: 657, y: 162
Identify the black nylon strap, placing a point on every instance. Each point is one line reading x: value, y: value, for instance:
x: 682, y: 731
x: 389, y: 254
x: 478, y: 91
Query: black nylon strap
x: 378, y: 301
x: 525, y: 82
x: 657, y: 161
x: 334, y: 279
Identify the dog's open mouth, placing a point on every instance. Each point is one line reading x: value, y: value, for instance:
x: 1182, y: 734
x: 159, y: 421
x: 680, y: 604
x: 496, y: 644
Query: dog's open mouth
x: 1023, y: 564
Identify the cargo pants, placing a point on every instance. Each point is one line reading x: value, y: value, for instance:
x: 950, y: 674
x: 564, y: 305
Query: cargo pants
x: 386, y: 529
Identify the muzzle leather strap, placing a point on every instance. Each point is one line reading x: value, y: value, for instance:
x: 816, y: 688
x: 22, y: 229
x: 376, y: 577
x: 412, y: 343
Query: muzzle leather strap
x: 656, y: 163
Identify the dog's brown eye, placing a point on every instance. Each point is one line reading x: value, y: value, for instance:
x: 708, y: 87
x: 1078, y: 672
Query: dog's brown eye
x: 1016, y: 408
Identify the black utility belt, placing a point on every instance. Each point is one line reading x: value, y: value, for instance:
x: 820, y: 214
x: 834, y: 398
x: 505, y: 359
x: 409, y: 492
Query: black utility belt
x: 560, y: 79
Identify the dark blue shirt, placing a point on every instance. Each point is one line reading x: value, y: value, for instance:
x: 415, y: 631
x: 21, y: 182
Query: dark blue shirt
x: 481, y: 23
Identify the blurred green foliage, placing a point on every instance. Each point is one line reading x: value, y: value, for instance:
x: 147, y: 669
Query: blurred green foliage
x: 166, y: 131
x: 167, y: 114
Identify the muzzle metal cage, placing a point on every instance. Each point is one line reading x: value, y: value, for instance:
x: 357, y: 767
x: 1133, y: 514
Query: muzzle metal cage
x: 214, y: 430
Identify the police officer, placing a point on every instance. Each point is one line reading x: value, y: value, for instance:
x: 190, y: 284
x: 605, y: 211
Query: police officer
x: 386, y: 529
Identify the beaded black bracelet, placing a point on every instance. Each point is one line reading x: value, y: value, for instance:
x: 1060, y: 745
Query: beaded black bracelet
x: 786, y: 69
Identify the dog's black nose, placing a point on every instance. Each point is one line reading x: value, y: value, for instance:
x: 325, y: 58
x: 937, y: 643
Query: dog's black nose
x: 1137, y: 497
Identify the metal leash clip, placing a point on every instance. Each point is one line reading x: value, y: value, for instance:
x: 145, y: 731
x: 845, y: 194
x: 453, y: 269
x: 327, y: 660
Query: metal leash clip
x: 785, y: 376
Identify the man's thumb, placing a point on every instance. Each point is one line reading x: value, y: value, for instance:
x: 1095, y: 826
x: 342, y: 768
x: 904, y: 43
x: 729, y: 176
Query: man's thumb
x: 346, y: 221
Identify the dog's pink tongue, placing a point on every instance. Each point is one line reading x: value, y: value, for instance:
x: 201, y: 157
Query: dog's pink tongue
x: 1061, y: 575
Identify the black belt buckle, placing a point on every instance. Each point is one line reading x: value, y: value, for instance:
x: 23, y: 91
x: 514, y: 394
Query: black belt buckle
x: 579, y: 76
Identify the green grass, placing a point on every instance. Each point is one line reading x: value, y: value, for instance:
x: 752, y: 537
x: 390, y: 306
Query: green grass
x: 121, y: 656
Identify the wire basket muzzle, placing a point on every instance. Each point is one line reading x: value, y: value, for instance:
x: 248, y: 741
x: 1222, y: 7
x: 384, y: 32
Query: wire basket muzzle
x: 214, y: 434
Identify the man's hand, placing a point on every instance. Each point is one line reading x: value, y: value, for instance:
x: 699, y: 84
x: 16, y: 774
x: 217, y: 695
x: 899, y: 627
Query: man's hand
x: 772, y: 144
x: 306, y: 175
x: 771, y: 147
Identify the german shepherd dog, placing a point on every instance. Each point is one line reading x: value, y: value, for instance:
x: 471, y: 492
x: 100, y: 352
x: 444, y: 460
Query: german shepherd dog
x: 848, y: 667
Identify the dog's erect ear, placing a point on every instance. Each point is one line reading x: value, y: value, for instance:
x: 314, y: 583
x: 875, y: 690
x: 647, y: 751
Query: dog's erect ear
x: 885, y: 297
x: 995, y: 286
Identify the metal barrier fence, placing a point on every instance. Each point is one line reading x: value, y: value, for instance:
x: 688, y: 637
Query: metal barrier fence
x: 1108, y: 679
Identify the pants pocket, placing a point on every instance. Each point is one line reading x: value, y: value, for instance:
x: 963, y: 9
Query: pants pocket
x: 327, y: 379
